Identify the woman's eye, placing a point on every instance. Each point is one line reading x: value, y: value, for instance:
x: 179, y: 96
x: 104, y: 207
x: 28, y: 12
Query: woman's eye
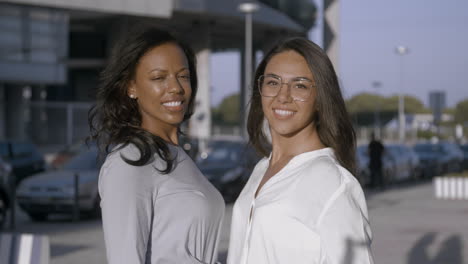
x: 184, y: 77
x: 301, y: 85
x: 158, y: 78
x: 272, y: 83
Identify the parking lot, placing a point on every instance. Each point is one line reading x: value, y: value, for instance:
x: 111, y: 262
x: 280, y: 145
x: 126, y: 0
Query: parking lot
x: 409, y: 226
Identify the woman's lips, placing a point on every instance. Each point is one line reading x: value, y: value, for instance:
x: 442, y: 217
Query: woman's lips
x: 174, y: 106
x: 283, y: 113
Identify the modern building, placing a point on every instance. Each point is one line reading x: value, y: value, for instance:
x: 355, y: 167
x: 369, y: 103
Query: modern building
x: 51, y: 53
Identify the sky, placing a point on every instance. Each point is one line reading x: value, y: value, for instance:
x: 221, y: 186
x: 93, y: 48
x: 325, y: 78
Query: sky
x: 435, y: 32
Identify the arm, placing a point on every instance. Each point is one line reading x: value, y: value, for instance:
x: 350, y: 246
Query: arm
x: 344, y: 230
x: 126, y: 204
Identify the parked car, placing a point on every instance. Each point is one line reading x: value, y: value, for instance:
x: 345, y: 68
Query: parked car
x: 388, y: 163
x: 228, y: 165
x: 464, y: 148
x: 430, y: 156
x: 443, y: 157
x: 362, y: 160
x: 453, y: 157
x: 5, y: 174
x: 402, y: 162
x: 68, y: 152
x: 23, y: 157
x: 54, y: 191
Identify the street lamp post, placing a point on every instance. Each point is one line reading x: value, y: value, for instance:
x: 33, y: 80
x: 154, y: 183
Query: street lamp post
x: 401, y: 51
x: 248, y: 8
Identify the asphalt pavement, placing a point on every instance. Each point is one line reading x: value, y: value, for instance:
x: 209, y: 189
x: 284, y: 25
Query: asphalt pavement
x: 409, y: 227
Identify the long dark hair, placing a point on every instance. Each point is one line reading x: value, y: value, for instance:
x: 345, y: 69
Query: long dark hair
x: 332, y: 120
x: 115, y: 119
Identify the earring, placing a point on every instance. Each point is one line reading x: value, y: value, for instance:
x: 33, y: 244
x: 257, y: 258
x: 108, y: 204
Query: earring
x: 132, y: 96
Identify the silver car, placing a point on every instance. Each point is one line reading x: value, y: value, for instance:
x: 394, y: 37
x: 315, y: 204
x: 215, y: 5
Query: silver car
x: 54, y: 191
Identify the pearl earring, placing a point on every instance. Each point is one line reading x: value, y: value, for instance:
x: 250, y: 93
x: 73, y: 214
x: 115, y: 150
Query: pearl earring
x: 132, y: 96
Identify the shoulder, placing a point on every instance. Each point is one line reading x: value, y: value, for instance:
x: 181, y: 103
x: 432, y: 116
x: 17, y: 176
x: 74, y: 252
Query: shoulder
x: 323, y: 172
x: 117, y: 172
x: 317, y: 180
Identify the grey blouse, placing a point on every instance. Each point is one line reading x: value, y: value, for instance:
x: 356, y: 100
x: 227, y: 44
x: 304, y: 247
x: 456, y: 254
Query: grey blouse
x: 154, y: 218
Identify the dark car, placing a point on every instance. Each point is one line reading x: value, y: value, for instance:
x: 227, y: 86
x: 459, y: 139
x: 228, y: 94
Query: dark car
x: 453, y: 157
x: 5, y: 172
x: 228, y: 165
x: 439, y: 158
x: 23, y: 157
x: 464, y: 148
x: 430, y: 158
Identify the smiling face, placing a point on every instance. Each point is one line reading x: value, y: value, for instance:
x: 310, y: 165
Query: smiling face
x: 161, y: 86
x: 285, y: 115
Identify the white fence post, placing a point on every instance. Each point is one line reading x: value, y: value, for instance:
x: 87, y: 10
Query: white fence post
x: 24, y: 249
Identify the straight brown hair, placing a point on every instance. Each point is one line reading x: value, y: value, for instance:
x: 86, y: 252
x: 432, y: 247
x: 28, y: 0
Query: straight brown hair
x: 332, y: 120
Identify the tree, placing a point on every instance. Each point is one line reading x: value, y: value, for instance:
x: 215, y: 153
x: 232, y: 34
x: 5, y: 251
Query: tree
x: 367, y: 102
x: 461, y: 112
x: 363, y: 106
x: 228, y: 111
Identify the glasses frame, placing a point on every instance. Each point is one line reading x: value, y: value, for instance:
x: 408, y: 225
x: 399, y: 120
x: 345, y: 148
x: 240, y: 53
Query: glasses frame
x: 288, y: 84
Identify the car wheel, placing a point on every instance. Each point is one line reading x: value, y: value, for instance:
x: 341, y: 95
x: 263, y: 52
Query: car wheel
x: 38, y: 217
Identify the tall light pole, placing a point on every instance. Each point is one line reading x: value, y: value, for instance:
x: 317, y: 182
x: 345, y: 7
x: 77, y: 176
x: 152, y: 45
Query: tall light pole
x: 248, y: 8
x: 401, y: 51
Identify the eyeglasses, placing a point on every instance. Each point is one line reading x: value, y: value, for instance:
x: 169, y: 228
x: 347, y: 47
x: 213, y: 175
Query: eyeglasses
x: 299, y: 88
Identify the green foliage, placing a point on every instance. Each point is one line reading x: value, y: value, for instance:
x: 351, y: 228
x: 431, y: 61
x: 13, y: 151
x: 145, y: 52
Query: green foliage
x: 367, y: 102
x: 364, y: 102
x: 426, y: 134
x: 227, y: 113
x: 461, y: 112
x: 363, y: 106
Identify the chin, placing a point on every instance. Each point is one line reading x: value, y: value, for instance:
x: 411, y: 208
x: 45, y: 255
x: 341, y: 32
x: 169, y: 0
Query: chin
x: 175, y: 121
x: 284, y: 130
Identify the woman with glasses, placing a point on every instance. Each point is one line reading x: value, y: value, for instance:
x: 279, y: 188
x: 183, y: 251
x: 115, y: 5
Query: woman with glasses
x: 302, y: 203
x: 157, y: 207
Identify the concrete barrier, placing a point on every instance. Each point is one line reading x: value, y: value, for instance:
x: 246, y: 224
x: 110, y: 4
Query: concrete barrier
x: 24, y: 249
x: 451, y: 188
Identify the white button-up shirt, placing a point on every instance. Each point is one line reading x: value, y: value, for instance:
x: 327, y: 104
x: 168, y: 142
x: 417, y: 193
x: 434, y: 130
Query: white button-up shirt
x: 311, y: 211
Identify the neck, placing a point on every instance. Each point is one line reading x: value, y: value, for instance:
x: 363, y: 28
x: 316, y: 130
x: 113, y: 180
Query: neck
x: 165, y: 131
x: 288, y: 146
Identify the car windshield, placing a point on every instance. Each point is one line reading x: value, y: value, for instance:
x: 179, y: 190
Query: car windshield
x: 427, y: 148
x: 86, y: 160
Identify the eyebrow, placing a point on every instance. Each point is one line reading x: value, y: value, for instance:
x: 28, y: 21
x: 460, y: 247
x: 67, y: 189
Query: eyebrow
x: 294, y: 78
x: 163, y: 70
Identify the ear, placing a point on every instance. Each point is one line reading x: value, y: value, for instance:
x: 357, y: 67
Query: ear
x: 131, y: 90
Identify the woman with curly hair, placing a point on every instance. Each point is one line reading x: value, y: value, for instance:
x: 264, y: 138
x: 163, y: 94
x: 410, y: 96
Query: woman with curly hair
x: 156, y: 205
x: 302, y: 203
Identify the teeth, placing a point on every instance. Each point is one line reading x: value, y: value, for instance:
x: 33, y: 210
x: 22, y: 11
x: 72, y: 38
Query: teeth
x: 174, y: 103
x: 284, y: 112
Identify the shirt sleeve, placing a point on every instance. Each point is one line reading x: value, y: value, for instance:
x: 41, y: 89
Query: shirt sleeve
x: 126, y: 205
x: 344, y: 230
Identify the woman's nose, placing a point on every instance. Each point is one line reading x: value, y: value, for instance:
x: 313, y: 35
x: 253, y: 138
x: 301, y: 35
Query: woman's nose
x: 284, y: 94
x: 174, y: 86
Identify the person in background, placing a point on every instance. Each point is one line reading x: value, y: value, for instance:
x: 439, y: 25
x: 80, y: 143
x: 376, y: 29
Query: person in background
x: 157, y: 207
x: 302, y: 203
x: 376, y: 150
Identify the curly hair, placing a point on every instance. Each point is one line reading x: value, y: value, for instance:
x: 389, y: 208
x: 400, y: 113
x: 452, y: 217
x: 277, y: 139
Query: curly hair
x: 115, y: 120
x: 332, y: 120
